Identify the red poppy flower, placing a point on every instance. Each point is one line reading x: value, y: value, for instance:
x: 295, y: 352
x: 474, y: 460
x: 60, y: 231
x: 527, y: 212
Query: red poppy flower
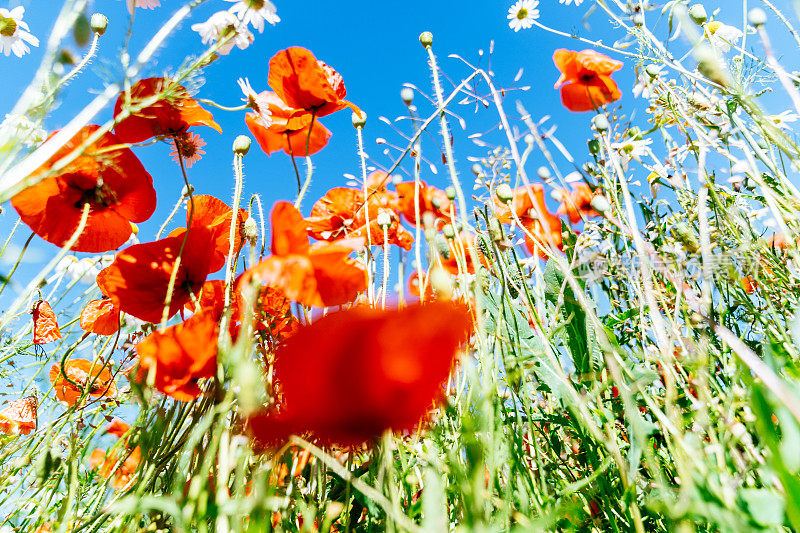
x: 354, y: 374
x: 576, y: 203
x: 100, y: 317
x: 104, y: 463
x: 82, y: 373
x: 215, y: 215
x: 172, y: 114
x: 585, y: 80
x: 180, y: 356
x: 430, y: 199
x: 118, y: 428
x: 321, y: 275
x: 19, y: 417
x: 111, y: 180
x: 546, y: 227
x: 138, y: 279
x: 288, y: 130
x: 45, y: 326
x: 460, y: 248
x: 304, y: 83
x: 415, y: 284
x: 524, y: 199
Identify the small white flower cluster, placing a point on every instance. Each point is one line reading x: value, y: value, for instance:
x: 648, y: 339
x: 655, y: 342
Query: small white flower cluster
x: 84, y: 270
x: 14, y: 34
x: 236, y: 21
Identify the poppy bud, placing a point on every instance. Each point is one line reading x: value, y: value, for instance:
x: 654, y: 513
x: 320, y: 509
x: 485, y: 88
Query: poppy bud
x: 428, y: 219
x: 543, y: 173
x: 698, y: 14
x: 383, y: 219
x: 504, y: 193
x: 98, y: 23
x: 450, y: 191
x: 594, y: 146
x: 250, y: 230
x: 495, y: 231
x: 757, y: 17
x: 241, y: 145
x: 426, y: 39
x: 529, y: 139
x: 407, y: 95
x: 600, y: 123
x: 448, y: 231
x: 81, y: 31
x: 436, y: 203
x: 600, y: 204
x: 359, y: 119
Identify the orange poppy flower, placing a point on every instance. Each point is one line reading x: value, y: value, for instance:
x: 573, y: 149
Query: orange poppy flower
x: 171, y: 115
x: 524, y: 199
x: 585, y: 80
x: 104, y: 463
x: 45, y: 326
x: 460, y: 248
x: 82, y: 373
x: 100, y: 317
x: 111, y: 180
x: 289, y: 130
x: 749, y: 285
x: 576, y: 203
x: 546, y: 229
x: 215, y: 215
x: 373, y: 370
x: 212, y: 299
x: 306, y: 84
x: 415, y: 286
x: 181, y: 355
x: 321, y: 275
x: 273, y: 314
x: 430, y: 199
x: 19, y: 417
x: 118, y: 428
x: 138, y: 279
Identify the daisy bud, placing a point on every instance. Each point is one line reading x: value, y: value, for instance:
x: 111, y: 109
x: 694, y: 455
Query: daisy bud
x: 241, y: 145
x: 477, y: 169
x: 250, y: 230
x: 450, y: 191
x: 407, y: 95
x: 652, y: 71
x: 600, y: 123
x: 359, y: 119
x: 98, y: 23
x: 698, y: 14
x: 709, y: 65
x: 426, y: 39
x: 383, y: 219
x: 594, y: 146
x: 543, y: 173
x: 504, y: 193
x: 529, y: 139
x: 757, y: 17
x: 600, y: 204
x: 448, y: 231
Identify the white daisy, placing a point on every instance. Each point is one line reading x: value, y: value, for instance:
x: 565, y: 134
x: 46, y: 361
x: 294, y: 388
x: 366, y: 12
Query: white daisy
x: 14, y: 35
x: 220, y: 25
x: 522, y: 14
x: 782, y: 120
x: 21, y: 128
x: 570, y: 2
x: 722, y: 36
x: 255, y: 12
x: 259, y: 102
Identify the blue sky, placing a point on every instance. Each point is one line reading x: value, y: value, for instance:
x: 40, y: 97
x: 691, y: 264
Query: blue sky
x: 372, y: 44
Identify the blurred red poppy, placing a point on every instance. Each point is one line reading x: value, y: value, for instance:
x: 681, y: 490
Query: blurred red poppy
x: 111, y: 180
x: 105, y: 463
x: 45, y: 325
x: 118, y: 428
x: 585, y: 80
x: 430, y: 199
x: 215, y: 215
x: 138, y: 279
x: 306, y: 84
x: 180, y: 356
x: 172, y: 114
x: 354, y: 374
x: 576, y: 203
x: 546, y: 227
x: 81, y: 373
x: 460, y: 248
x: 524, y: 199
x: 100, y: 317
x: 321, y: 275
x: 19, y: 417
x: 415, y: 284
x: 288, y: 130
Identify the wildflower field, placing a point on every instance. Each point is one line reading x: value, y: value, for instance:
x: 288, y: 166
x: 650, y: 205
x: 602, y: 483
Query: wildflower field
x: 547, y: 282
